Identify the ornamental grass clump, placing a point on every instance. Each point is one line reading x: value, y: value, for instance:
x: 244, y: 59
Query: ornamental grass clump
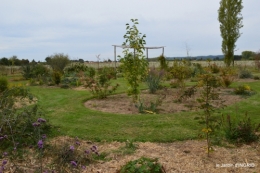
x: 153, y: 79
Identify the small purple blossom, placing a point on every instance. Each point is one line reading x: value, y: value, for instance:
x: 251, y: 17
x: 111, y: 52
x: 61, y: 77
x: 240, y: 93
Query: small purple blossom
x: 5, y: 154
x: 83, y: 167
x: 44, y: 136
x: 5, y: 136
x: 4, y: 162
x: 87, y: 151
x: 77, y: 143
x: 73, y: 163
x: 36, y: 124
x: 1, y: 137
x: 72, y: 148
x: 94, y: 148
x: 40, y: 144
x: 41, y: 120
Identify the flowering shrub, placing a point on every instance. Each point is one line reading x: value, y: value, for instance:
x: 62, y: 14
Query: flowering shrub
x: 243, y: 90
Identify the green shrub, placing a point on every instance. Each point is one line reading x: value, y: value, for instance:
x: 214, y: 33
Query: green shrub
x: 244, y: 73
x: 226, y: 81
x: 100, y: 90
x: 143, y: 165
x: 163, y: 62
x: 214, y: 68
x: 91, y: 72
x: 27, y: 72
x: 153, y: 79
x: 180, y: 71
x: 243, y: 90
x: 3, y: 84
x: 243, y: 131
x: 196, y: 69
x: 56, y: 76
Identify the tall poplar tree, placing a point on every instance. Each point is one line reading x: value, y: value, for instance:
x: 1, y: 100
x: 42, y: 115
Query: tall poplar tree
x: 230, y: 18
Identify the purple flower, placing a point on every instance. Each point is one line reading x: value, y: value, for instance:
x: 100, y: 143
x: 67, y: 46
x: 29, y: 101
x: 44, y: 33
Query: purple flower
x: 41, y: 120
x: 73, y: 163
x: 5, y: 154
x: 40, y: 144
x: 5, y: 136
x: 1, y: 137
x: 35, y: 124
x: 72, y: 148
x: 44, y: 136
x: 83, y: 167
x: 87, y: 151
x: 4, y: 162
x: 94, y: 148
x: 77, y: 142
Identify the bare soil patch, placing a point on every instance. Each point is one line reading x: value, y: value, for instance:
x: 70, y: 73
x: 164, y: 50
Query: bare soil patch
x: 122, y: 104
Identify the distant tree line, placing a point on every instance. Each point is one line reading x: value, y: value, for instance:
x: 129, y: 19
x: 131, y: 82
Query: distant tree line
x: 13, y: 61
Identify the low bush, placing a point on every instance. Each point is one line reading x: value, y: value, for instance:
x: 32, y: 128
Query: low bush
x: 143, y: 165
x: 100, y: 90
x: 180, y: 71
x: 3, y: 84
x: 243, y: 90
x: 245, y: 73
x: 214, y: 68
x: 243, y: 131
x: 56, y: 76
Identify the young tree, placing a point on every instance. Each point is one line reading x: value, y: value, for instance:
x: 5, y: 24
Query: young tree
x: 134, y: 64
x: 230, y: 18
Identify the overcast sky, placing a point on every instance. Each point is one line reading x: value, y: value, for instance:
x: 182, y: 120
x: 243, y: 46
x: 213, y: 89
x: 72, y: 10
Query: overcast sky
x: 35, y: 29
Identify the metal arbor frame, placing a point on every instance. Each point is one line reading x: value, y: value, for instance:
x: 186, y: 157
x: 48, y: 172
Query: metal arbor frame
x: 146, y: 48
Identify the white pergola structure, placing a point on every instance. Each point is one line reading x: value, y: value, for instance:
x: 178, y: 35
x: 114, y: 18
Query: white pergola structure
x: 146, y: 48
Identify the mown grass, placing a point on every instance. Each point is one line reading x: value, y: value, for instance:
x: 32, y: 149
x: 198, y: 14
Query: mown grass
x: 65, y: 109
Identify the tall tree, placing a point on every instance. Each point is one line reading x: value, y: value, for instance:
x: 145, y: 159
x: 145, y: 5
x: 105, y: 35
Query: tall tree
x: 230, y: 18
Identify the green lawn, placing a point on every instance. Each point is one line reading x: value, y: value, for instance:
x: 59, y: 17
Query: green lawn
x: 64, y: 108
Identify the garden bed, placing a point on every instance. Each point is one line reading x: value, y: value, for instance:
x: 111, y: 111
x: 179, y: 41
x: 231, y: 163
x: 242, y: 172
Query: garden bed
x: 122, y: 104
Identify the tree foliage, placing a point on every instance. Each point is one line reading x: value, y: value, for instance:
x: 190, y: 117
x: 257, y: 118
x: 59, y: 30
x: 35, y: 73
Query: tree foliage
x: 58, y: 62
x: 230, y: 18
x: 248, y: 54
x: 134, y: 64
